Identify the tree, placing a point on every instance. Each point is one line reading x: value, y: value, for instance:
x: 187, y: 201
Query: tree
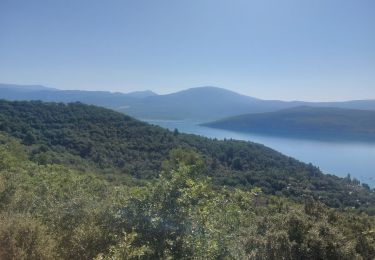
x: 30, y: 138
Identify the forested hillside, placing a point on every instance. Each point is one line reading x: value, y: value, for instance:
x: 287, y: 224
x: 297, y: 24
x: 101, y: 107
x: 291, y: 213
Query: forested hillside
x: 93, y: 139
x: 54, y: 212
x: 306, y: 122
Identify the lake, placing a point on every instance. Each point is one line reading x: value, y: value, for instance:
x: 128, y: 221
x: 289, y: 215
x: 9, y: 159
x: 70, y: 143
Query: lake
x: 338, y: 158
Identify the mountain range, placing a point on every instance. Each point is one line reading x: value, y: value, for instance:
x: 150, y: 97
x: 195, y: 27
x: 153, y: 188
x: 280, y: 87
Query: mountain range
x: 201, y: 103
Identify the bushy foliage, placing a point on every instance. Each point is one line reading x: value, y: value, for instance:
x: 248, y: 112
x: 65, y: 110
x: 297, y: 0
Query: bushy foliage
x: 23, y: 237
x: 312, y: 231
x: 182, y: 216
x: 53, y: 212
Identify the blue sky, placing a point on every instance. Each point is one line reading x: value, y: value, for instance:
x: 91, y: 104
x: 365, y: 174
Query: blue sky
x: 273, y: 49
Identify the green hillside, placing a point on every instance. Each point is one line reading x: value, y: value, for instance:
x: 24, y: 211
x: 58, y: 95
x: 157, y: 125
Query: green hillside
x: 89, y: 138
x: 320, y: 123
x: 83, y: 182
x: 55, y: 212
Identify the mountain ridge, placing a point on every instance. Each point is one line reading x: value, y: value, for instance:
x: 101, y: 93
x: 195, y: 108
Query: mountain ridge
x: 201, y: 103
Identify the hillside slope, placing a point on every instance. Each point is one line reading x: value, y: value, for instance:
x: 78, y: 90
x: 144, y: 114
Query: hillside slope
x: 91, y: 138
x: 53, y: 212
x: 322, y: 123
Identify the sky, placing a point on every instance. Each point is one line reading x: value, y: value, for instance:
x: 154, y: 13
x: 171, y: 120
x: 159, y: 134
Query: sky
x: 314, y: 50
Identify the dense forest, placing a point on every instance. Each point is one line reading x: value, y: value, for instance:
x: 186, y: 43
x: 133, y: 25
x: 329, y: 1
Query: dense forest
x: 54, y: 212
x: 83, y: 182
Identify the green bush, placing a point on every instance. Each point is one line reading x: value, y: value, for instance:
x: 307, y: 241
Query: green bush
x: 23, y: 237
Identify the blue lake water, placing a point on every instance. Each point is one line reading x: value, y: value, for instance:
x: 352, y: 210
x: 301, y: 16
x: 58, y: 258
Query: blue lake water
x: 338, y: 158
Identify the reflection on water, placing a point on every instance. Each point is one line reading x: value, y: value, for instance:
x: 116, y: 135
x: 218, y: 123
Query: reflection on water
x: 339, y: 158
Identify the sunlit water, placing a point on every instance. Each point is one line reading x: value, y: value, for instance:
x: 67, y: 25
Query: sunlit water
x: 339, y: 158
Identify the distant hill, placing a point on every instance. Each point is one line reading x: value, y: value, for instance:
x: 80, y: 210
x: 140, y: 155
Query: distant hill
x: 198, y: 103
x: 201, y: 104
x: 210, y: 103
x: 100, y: 98
x: 141, y: 94
x: 313, y: 122
x: 12, y: 88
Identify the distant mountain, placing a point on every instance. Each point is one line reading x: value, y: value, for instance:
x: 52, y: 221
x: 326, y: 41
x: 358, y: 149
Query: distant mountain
x: 198, y: 103
x: 13, y: 88
x: 201, y: 104
x: 211, y: 103
x: 100, y: 98
x: 141, y: 94
x: 351, y: 104
x: 313, y: 122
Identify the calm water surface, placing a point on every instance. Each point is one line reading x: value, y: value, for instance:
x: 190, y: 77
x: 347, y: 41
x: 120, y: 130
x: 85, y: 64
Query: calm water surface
x: 339, y: 158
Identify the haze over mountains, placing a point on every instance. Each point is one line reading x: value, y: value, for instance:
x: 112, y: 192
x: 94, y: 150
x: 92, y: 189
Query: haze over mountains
x: 201, y: 103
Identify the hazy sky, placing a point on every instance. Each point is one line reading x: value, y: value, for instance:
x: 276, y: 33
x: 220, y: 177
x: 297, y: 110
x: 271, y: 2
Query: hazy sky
x: 280, y: 49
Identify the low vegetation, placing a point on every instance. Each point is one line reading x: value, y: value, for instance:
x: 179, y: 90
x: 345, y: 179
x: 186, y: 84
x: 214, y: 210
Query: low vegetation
x: 53, y: 212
